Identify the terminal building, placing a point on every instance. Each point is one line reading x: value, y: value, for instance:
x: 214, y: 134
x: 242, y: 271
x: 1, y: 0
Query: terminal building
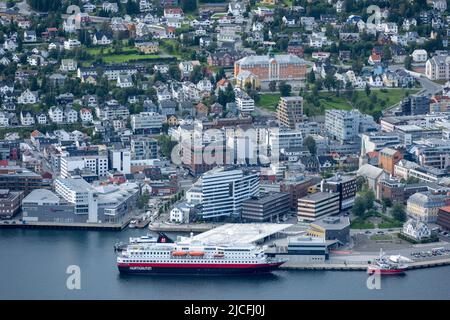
x: 331, y: 229
x: 302, y: 249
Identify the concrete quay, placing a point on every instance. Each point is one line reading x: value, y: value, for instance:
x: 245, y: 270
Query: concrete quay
x: 358, y: 266
x: 67, y: 226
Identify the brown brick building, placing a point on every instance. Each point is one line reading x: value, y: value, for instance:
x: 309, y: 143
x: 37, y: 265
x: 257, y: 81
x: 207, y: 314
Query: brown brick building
x: 388, y: 158
x: 286, y: 67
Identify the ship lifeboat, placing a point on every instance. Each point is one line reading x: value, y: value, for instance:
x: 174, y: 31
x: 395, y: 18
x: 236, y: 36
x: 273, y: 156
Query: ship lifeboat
x: 218, y: 255
x: 196, y: 253
x: 178, y: 253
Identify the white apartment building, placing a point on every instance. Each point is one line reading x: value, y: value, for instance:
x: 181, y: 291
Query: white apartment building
x: 243, y: 102
x: 438, y: 68
x: 98, y: 164
x: 346, y: 125
x: 80, y: 193
x: 284, y: 139
x: 120, y: 160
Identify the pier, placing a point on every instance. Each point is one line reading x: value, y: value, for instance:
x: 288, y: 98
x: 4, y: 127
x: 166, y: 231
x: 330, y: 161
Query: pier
x: 358, y: 265
x: 67, y: 226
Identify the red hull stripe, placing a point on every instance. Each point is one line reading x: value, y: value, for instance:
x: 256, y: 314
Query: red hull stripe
x: 197, y: 265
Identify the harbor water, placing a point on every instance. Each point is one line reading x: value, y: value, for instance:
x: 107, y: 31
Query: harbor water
x: 34, y: 264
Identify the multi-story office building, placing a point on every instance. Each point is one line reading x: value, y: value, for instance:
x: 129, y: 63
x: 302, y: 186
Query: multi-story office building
x: 143, y: 148
x: 433, y: 152
x: 345, y: 125
x: 98, y: 164
x: 284, y: 139
x: 317, y: 205
x: 424, y: 206
x: 410, y: 133
x: 375, y: 141
x: 297, y: 187
x: 16, y: 178
x: 224, y: 190
x: 415, y: 105
x: 266, y: 208
x: 9, y: 203
x: 9, y: 150
x: 147, y: 122
x: 120, y: 160
x: 290, y: 111
x: 345, y: 186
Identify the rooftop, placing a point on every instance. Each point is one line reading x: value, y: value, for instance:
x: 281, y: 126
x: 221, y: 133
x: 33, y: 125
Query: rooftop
x: 237, y: 233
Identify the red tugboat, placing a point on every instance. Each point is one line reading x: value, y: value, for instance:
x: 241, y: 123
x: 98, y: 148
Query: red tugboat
x: 388, y: 265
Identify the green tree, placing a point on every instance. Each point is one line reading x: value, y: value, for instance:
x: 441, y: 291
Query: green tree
x: 369, y: 198
x: 359, y: 207
x: 398, y: 212
x: 285, y: 89
x: 386, y: 203
x: 312, y: 77
x: 143, y: 200
x: 310, y: 143
x: 272, y: 86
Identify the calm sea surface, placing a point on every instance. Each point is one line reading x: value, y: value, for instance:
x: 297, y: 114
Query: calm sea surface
x: 33, y: 265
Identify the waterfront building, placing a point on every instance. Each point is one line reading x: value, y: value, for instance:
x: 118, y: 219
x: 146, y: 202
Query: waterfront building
x: 331, y: 228
x: 266, y: 208
x: 307, y: 249
x: 10, y: 202
x: 16, y: 178
x: 317, y: 205
x: 224, y: 190
x: 416, y: 230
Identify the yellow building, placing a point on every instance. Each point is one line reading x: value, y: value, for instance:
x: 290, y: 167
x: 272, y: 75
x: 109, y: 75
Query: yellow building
x: 246, y: 77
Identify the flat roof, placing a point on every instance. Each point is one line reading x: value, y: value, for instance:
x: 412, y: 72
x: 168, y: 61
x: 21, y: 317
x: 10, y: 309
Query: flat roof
x: 239, y: 233
x: 318, y: 196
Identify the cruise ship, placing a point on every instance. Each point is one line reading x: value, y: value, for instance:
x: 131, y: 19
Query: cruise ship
x: 166, y: 257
